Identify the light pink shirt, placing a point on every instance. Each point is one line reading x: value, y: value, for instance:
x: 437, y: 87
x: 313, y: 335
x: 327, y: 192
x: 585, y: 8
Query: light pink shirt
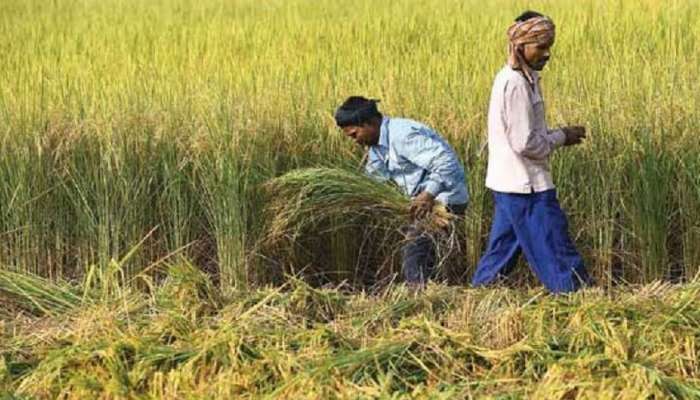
x: 519, y: 141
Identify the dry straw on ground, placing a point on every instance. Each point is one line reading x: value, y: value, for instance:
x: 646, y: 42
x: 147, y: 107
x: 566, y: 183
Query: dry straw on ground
x: 186, y: 339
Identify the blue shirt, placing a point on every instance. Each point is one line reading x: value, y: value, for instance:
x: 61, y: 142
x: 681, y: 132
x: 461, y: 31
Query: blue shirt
x: 416, y: 158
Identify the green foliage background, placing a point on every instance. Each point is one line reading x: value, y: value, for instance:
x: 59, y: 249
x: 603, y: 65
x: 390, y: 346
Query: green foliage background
x: 118, y: 117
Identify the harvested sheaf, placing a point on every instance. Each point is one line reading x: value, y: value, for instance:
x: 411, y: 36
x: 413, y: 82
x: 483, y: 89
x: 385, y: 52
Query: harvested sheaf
x: 317, y: 202
x: 305, y: 197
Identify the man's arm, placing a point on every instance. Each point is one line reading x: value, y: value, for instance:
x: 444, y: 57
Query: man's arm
x: 425, y: 150
x: 523, y: 138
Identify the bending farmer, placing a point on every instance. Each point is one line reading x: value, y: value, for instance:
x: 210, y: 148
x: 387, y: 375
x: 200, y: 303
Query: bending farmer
x: 419, y: 161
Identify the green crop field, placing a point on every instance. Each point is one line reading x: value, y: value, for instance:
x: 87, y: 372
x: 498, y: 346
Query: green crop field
x: 139, y: 141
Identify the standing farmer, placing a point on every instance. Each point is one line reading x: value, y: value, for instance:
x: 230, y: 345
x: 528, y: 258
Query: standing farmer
x: 527, y: 213
x: 419, y: 161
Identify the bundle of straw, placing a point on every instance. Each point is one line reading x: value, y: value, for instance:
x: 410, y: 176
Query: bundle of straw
x: 308, y: 206
x: 304, y: 197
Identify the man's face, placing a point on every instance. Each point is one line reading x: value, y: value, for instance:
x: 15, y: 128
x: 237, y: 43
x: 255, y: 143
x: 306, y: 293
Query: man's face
x: 365, y: 135
x: 537, y: 54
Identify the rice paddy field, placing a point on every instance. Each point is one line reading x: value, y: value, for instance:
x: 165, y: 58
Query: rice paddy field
x: 180, y: 217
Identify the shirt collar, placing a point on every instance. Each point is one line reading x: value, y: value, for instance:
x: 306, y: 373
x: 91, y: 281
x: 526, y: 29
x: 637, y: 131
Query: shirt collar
x: 535, y: 74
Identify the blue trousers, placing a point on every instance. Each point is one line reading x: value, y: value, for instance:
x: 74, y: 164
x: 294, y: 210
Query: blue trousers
x: 418, y: 253
x: 534, y: 224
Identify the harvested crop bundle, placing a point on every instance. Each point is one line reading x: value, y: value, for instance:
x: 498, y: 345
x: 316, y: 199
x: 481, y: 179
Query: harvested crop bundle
x: 321, y: 202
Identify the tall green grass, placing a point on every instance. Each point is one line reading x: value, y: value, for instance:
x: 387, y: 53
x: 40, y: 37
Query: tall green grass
x: 126, y: 121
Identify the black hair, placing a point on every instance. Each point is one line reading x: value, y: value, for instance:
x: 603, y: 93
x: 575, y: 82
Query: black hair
x: 357, y: 110
x: 529, y: 14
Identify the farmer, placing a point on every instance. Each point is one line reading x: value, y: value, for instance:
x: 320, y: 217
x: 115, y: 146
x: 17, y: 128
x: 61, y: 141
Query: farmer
x: 527, y: 215
x: 419, y: 161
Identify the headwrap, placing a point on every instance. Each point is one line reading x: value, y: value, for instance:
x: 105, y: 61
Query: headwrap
x: 356, y: 114
x: 533, y: 30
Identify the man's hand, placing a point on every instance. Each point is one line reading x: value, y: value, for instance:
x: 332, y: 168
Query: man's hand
x: 574, y: 135
x: 422, y: 205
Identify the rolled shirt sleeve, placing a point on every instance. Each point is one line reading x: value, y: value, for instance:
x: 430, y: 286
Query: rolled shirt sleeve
x: 557, y: 137
x: 434, y: 187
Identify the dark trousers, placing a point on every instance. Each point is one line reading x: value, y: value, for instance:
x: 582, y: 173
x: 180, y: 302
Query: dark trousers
x: 418, y: 253
x: 535, y: 225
